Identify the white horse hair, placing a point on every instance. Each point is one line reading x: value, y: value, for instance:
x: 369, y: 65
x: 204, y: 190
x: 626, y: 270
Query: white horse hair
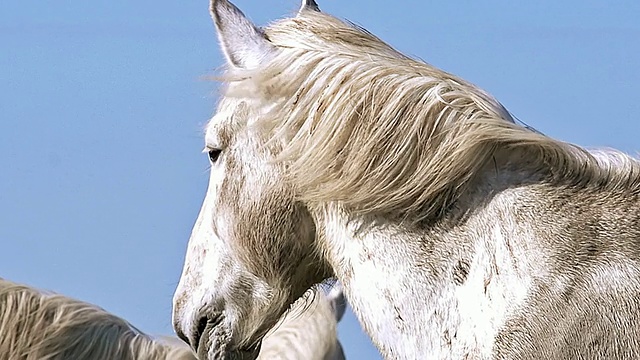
x: 36, y: 325
x: 45, y: 326
x: 456, y: 233
x: 309, y: 330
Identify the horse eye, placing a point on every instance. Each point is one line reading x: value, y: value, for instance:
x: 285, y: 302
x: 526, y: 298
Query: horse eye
x: 214, y: 154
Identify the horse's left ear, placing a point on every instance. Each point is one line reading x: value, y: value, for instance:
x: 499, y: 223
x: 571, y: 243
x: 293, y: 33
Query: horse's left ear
x: 337, y: 300
x: 243, y: 43
x: 309, y: 5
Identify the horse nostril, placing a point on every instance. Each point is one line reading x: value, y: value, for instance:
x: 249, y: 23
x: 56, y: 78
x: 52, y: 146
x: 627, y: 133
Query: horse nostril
x: 202, y: 324
x: 199, y: 329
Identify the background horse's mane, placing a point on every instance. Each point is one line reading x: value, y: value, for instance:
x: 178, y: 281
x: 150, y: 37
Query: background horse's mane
x: 362, y: 124
x: 40, y: 325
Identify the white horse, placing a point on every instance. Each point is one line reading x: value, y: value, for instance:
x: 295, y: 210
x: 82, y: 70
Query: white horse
x: 37, y: 325
x: 457, y: 234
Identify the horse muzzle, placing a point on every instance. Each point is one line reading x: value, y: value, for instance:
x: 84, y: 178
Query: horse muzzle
x: 210, y: 337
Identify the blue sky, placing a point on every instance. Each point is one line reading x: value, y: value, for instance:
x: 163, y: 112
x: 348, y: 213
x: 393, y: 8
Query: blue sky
x: 102, y: 105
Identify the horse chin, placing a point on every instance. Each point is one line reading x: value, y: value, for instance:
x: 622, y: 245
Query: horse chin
x: 249, y: 354
x: 215, y: 344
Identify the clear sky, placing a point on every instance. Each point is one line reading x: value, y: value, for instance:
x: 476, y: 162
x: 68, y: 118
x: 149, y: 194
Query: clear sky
x: 102, y: 104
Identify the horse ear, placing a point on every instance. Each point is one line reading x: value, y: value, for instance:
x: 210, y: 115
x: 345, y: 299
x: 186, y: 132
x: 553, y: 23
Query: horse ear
x: 337, y: 300
x: 243, y: 43
x: 309, y: 5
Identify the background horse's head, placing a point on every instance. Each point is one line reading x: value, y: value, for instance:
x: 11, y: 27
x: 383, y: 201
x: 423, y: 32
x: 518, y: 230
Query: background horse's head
x: 251, y: 251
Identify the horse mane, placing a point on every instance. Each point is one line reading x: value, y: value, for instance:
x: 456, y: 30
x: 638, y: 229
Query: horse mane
x: 364, y: 125
x: 36, y: 325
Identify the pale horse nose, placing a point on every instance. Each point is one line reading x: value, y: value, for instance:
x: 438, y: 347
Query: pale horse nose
x: 191, y: 328
x: 177, y: 321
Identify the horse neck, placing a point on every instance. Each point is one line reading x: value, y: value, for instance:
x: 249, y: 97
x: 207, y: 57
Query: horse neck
x: 401, y: 280
x: 376, y: 269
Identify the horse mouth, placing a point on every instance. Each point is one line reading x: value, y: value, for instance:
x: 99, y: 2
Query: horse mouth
x: 245, y: 354
x: 215, y: 343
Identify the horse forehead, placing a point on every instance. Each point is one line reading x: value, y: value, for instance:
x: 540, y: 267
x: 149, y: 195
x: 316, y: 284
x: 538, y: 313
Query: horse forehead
x: 231, y: 116
x: 219, y: 130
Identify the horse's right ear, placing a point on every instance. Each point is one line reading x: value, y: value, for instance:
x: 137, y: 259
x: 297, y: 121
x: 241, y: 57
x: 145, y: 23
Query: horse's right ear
x: 243, y: 43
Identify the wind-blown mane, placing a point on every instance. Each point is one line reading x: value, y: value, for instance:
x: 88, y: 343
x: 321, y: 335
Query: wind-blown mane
x: 364, y: 125
x: 36, y: 325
